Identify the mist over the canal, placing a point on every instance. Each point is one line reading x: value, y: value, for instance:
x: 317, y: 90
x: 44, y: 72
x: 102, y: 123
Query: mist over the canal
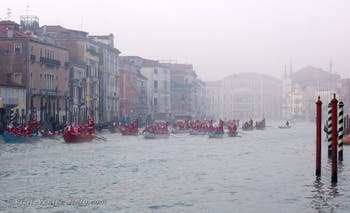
x: 219, y: 37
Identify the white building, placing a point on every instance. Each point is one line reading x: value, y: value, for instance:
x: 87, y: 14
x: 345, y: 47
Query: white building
x: 158, y: 89
x: 244, y: 96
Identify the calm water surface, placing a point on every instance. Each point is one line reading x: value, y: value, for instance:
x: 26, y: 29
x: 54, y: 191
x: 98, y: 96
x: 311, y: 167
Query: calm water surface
x: 261, y: 171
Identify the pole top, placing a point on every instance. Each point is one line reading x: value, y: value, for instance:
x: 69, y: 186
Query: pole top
x: 334, y: 100
x: 318, y: 100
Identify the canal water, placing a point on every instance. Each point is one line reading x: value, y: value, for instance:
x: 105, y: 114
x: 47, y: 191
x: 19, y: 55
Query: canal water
x: 261, y: 171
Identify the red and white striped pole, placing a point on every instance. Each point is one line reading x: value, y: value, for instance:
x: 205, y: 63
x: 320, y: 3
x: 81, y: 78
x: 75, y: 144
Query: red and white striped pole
x: 334, y: 103
x: 318, y: 135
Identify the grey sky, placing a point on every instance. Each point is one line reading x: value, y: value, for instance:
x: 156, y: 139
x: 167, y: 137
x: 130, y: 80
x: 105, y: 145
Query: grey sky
x: 219, y: 37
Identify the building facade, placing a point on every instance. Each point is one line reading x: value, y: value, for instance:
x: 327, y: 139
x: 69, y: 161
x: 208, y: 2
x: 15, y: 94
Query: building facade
x: 182, y: 90
x: 158, y: 89
x: 83, y: 52
x: 108, y: 77
x: 41, y: 67
x: 245, y: 96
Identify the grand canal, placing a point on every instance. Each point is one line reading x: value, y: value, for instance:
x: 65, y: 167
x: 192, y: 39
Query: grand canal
x: 261, y: 171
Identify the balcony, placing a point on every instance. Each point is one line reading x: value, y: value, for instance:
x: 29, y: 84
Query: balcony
x: 50, y: 62
x: 92, y: 51
x: 46, y: 92
x: 9, y: 101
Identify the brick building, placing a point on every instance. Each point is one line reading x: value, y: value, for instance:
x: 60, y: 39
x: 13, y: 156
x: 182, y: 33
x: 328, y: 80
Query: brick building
x: 128, y: 89
x: 40, y: 66
x: 85, y: 53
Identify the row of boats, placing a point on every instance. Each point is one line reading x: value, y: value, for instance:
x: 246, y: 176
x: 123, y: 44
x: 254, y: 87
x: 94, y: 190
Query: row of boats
x: 74, y: 133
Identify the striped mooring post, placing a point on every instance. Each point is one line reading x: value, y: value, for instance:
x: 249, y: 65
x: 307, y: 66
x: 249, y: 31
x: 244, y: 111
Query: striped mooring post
x: 340, y: 130
x: 329, y: 130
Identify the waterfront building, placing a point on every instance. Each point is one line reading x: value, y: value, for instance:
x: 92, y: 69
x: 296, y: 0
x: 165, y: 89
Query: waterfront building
x: 308, y: 83
x: 83, y: 52
x: 344, y: 94
x: 213, y: 100
x: 244, y: 96
x: 77, y: 93
x: 182, y: 90
x: 108, y: 77
x: 158, y: 89
x: 128, y: 95
x: 38, y: 65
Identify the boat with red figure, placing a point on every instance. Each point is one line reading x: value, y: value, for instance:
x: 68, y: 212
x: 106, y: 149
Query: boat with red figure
x: 248, y: 125
x: 154, y: 131
x: 180, y: 127
x: 200, y: 127
x: 22, y: 133
x: 216, y: 131
x: 79, y: 133
x: 232, y: 127
x: 114, y: 128
x: 48, y: 133
x: 260, y: 125
x: 130, y: 129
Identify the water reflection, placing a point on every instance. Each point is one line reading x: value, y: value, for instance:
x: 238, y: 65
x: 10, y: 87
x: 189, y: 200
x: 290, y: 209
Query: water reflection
x: 324, y: 196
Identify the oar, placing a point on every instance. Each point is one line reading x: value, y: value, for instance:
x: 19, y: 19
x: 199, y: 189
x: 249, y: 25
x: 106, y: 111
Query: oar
x: 240, y: 132
x: 99, y: 137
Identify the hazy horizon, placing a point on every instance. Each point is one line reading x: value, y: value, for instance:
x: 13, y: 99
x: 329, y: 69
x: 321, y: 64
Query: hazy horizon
x: 218, y: 37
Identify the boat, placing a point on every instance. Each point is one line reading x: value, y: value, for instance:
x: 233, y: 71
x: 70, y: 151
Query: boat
x: 247, y: 128
x: 346, y: 140
x: 197, y: 132
x: 113, y: 128
x: 179, y: 131
x: 154, y: 131
x: 215, y: 134
x: 79, y: 133
x: 180, y: 127
x: 217, y: 131
x: 232, y: 134
x: 12, y: 138
x: 284, y: 127
x: 48, y: 133
x: 248, y: 125
x: 75, y: 137
x: 260, y: 125
x: 149, y: 135
x: 232, y: 128
x: 132, y: 129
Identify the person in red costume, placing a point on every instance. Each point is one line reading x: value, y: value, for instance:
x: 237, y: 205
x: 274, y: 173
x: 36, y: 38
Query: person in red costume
x: 91, y: 126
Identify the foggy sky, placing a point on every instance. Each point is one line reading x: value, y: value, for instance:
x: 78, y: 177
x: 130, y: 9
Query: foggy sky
x: 219, y: 37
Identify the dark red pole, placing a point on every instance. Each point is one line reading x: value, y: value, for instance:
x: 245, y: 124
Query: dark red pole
x: 334, y: 103
x: 318, y: 135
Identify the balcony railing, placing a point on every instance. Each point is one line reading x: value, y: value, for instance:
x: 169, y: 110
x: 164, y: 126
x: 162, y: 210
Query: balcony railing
x: 10, y: 101
x: 50, y: 62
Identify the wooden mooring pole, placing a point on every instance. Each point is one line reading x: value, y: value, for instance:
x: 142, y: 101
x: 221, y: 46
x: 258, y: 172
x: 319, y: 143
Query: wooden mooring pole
x: 334, y: 103
x: 318, y: 135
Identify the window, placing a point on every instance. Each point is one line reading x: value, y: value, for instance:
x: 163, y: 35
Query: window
x: 18, y: 78
x: 156, y: 71
x: 31, y: 80
x: 155, y: 101
x: 165, y: 85
x: 17, y: 48
x: 155, y: 84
